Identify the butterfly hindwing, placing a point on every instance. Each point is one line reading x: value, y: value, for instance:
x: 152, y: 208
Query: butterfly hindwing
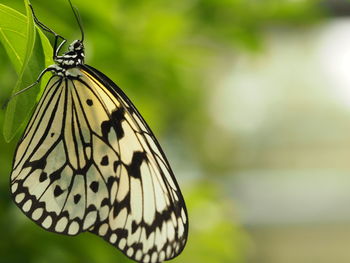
x: 54, y: 178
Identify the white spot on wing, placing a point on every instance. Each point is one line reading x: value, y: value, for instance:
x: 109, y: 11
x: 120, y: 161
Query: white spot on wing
x: 173, y: 218
x: 154, y: 257
x: 61, y: 224
x: 90, y: 219
x: 73, y: 228
x: 181, y: 228
x: 122, y: 243
x: 130, y: 251
x: 183, y: 216
x: 161, y: 256
x: 103, y: 211
x: 14, y: 187
x: 113, y: 238
x: 28, y: 204
x: 47, y: 222
x: 171, y: 231
x: 19, y: 197
x: 138, y: 254
x: 37, y: 213
x: 103, y: 229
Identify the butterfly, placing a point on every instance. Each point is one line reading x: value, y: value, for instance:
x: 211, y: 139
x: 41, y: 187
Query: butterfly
x: 88, y: 162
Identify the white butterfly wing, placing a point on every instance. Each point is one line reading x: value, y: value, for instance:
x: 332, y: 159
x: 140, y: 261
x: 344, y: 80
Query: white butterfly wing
x: 53, y: 180
x: 148, y: 218
x: 88, y: 161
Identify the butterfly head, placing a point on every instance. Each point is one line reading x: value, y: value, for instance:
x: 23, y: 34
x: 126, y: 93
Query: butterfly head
x: 76, y: 46
x: 74, y: 56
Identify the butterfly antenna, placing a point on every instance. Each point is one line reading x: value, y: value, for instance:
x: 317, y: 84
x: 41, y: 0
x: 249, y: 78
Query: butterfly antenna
x: 77, y: 17
x: 57, y: 45
x: 41, y: 25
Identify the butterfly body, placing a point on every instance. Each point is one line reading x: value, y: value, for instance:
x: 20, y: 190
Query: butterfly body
x: 88, y: 161
x: 73, y: 58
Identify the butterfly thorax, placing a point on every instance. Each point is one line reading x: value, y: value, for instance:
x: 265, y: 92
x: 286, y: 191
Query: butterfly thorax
x: 73, y: 57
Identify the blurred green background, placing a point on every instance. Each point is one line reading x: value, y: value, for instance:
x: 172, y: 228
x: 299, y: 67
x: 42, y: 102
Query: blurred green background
x: 251, y: 103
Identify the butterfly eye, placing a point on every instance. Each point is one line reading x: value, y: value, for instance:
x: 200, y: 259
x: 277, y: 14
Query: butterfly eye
x: 77, y: 45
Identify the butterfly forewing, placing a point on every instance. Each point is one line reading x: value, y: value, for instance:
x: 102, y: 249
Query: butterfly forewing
x: 88, y: 161
x: 147, y: 219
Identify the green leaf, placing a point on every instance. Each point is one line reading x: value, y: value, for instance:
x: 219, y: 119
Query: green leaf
x: 29, y: 58
x: 46, y: 45
x: 13, y: 35
x: 48, y: 60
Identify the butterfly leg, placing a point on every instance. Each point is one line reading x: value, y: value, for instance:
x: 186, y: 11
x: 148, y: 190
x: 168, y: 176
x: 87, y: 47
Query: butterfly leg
x: 51, y: 68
